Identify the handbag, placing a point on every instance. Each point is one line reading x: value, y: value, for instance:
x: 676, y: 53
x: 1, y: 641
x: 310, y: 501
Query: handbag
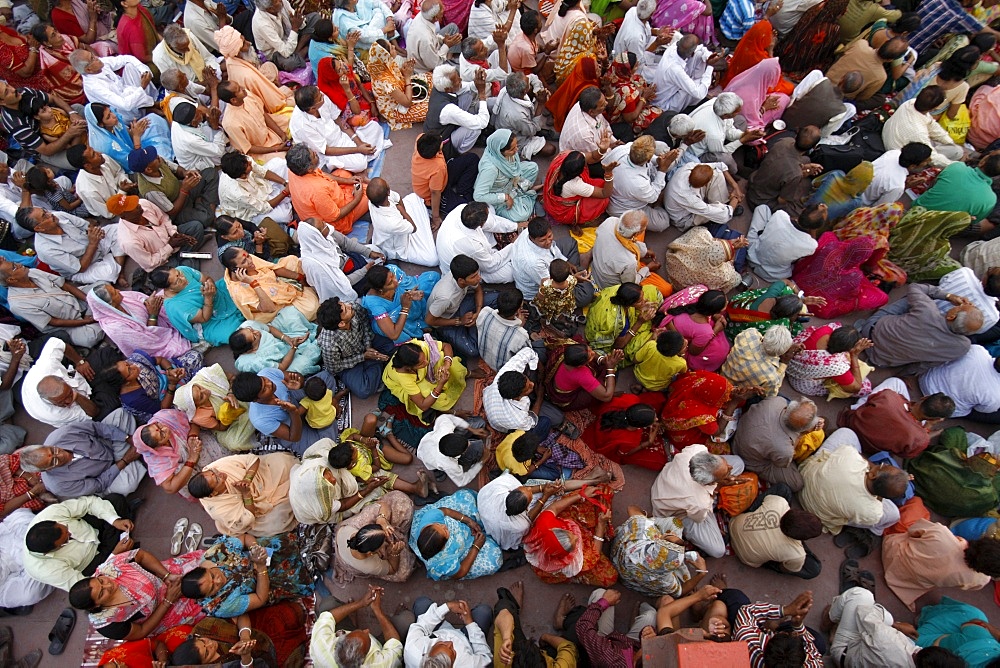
x: 735, y: 499
x: 843, y: 158
x: 316, y: 547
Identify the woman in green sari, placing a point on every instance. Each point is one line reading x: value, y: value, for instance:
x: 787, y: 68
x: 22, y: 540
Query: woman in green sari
x: 288, y: 342
x: 921, y: 245
x: 621, y: 317
x: 777, y: 304
x: 200, y: 309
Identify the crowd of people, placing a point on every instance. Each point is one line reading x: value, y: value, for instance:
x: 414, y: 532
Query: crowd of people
x: 860, y: 138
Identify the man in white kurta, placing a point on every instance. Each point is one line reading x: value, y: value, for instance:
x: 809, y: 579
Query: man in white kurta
x: 99, y: 179
x: 128, y: 93
x: 424, y: 43
x: 429, y: 451
x: 507, y: 530
x: 401, y: 228
x: 640, y: 177
x: 197, y: 145
x: 971, y: 381
x: 164, y: 62
x: 249, y: 197
x: 689, y: 205
x: 319, y: 131
x: 964, y: 283
x: 683, y: 74
x: 454, y: 238
x: 776, y: 243
x: 50, y: 363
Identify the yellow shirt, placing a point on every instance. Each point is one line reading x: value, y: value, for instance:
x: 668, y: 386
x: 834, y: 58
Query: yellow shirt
x: 322, y: 413
x: 655, y: 371
x: 505, y: 455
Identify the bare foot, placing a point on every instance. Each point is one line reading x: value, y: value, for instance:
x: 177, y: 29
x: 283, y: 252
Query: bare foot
x: 566, y: 603
x: 424, y: 483
x: 517, y: 591
x: 719, y: 580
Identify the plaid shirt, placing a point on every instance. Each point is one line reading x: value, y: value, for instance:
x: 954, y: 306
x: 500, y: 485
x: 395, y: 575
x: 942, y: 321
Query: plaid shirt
x: 749, y: 622
x: 345, y: 349
x: 747, y: 364
x: 511, y: 414
x: 938, y: 17
x: 615, y: 650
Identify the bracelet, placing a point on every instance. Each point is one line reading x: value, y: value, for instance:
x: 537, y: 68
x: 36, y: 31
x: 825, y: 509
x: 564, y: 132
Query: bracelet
x: 611, y: 374
x: 477, y: 547
x: 254, y: 284
x: 598, y: 539
x: 246, y: 665
x: 190, y: 465
x: 301, y: 278
x: 30, y: 497
x: 609, y: 178
x: 449, y: 358
x: 245, y: 628
x: 631, y: 331
x: 168, y: 601
x: 404, y: 311
x: 33, y: 49
x: 728, y: 418
x: 435, y: 394
x: 171, y: 389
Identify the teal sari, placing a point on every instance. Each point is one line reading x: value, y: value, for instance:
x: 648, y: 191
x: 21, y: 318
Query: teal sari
x: 225, y: 320
x: 272, y: 350
x: 945, y: 623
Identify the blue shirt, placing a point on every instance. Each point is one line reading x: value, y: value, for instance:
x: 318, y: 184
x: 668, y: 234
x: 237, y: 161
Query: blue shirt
x: 266, y: 418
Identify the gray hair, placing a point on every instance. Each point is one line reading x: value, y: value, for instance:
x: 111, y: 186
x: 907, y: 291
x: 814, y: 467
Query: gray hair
x: 681, y: 125
x: 171, y: 79
x: 965, y: 322
x: 726, y: 104
x: 49, y: 387
x: 102, y: 292
x: 79, y: 59
x: 430, y: 13
x: 437, y: 661
x: 645, y: 8
x: 349, y: 652
x: 776, y: 341
x: 442, y: 77
x: 631, y: 222
x: 174, y: 33
x: 703, y: 467
x: 264, y: 4
x: 299, y: 159
x: 792, y: 421
x: 32, y: 458
x: 517, y: 85
x: 469, y: 45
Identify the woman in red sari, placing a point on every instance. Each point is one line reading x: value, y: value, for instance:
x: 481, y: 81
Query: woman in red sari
x: 339, y: 82
x: 86, y: 22
x: 585, y: 73
x: 19, y: 489
x: 142, y: 653
x: 699, y: 406
x: 626, y: 430
x: 56, y: 48
x: 19, y: 61
x: 566, y: 183
x: 756, y: 45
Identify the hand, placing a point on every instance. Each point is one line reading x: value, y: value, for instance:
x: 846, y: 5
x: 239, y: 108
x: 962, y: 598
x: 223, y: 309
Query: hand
x: 774, y: 8
x: 716, y: 59
x: 500, y: 37
x: 508, y: 201
x: 390, y: 26
x: 469, y: 319
x: 258, y: 555
x: 708, y: 593
x: 740, y: 242
x: 407, y: 68
x: 770, y: 103
x: 145, y: 79
x: 862, y: 344
x: 243, y: 648
x: 209, y: 78
x: 481, y: 82
x: 131, y: 455
x: 208, y: 289
x: 214, y: 116
x: 17, y: 349
x: 91, y: 8
x: 699, y: 563
x: 543, y: 95
x: 506, y: 651
x: 242, y: 276
x: 153, y: 305
x: 293, y: 381
x: 612, y: 596
x: 175, y: 376
x: 296, y: 21
x: 814, y: 301
x: 614, y: 358
x: 287, y: 406
x: 649, y: 92
x: 123, y: 525
x: 751, y: 135
x: 910, y: 631
x: 191, y: 179
x: 94, y: 235
x: 812, y: 169
x: 452, y: 40
x: 604, y: 143
x: 194, y: 448
x: 137, y: 128
x: 463, y: 612
x: 124, y: 545
x: 799, y: 608
x: 664, y: 160
x: 958, y: 300
x: 18, y: 179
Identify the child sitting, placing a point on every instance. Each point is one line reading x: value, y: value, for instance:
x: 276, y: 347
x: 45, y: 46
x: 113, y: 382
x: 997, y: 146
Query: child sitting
x: 555, y: 299
x: 53, y: 122
x: 521, y: 454
x: 658, y: 362
x: 362, y: 456
x: 321, y: 410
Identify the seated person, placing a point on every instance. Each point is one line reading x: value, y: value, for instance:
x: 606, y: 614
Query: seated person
x: 661, y: 360
x: 67, y: 541
x: 639, y: 183
x: 571, y: 195
x: 132, y: 321
x: 26, y: 129
x: 268, y: 241
x: 47, y: 192
x: 91, y: 458
x: 784, y: 179
x: 251, y: 191
x: 427, y: 42
x: 818, y: 101
x: 372, y: 543
x: 505, y: 182
x: 179, y: 193
x: 422, y: 378
x: 913, y: 122
x: 63, y: 398
x: 587, y: 131
x: 73, y: 249
x: 884, y: 640
x: 972, y: 382
x: 560, y: 293
x: 448, y: 538
x: 373, y: 19
x: 533, y: 257
x: 767, y: 435
x: 463, y: 232
x: 282, y: 34
x: 247, y: 494
x: 830, y: 362
x: 513, y: 402
x: 628, y: 431
x: 346, y: 340
x: 454, y: 448
x: 458, y: 111
x: 128, y: 93
x: 399, y: 93
x: 329, y: 648
x: 401, y: 226
x: 241, y: 121
x: 197, y: 136
x: 171, y: 449
x: 684, y: 74
x: 600, y: 641
x: 752, y: 627
x: 443, y: 185
x: 49, y: 303
x: 336, y: 199
x: 501, y: 329
x: 288, y: 343
x: 871, y: 64
x: 244, y: 67
x: 758, y: 540
x: 146, y: 384
x: 367, y: 460
x: 509, y: 639
x: 887, y: 420
x: 701, y: 193
x: 894, y: 171
x: 208, y: 402
x: 760, y: 360
x: 509, y: 507
x: 178, y: 88
x: 321, y: 408
x: 519, y: 452
x: 715, y: 118
x: 431, y: 639
x: 149, y: 237
x: 777, y: 242
x: 337, y: 265
x: 620, y: 255
x: 110, y: 136
x: 396, y: 303
x: 522, y: 114
x: 181, y: 49
x: 982, y: 293
x: 199, y: 308
x: 455, y: 303
x: 98, y: 179
x: 625, y: 303
x: 316, y: 123
x: 671, y: 571
x: 574, y: 385
x: 257, y: 290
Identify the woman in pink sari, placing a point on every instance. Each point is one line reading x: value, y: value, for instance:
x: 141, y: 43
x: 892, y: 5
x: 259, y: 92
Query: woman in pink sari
x: 985, y: 112
x: 834, y: 273
x: 170, y: 446
x: 691, y: 16
x: 755, y: 87
x: 136, y: 322
x: 53, y: 62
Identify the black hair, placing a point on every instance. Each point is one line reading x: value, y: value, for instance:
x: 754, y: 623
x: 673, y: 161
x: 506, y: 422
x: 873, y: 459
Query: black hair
x: 785, y: 650
x: 590, y: 97
x: 226, y: 90
x: 637, y: 415
x: 341, y: 455
x: 572, y: 166
x: 229, y: 256
x: 323, y: 30
x: 567, y: 5
x: 38, y: 31
x: 893, y: 48
x: 811, y: 218
x: 806, y: 138
x: 913, y: 154
x: 224, y: 225
x: 42, y: 537
x: 669, y: 343
x: 984, y: 41
x: 474, y: 215
x: 992, y: 285
x: 937, y: 405
x: 330, y: 314
x: 30, y: 106
x: 98, y: 110
x: 524, y: 446
x: 559, y: 270
x: 709, y: 303
x: 983, y: 556
x: 530, y: 21
x: 241, y: 343
x: 576, y: 355
x: 186, y: 654
x: 511, y: 384
x: 305, y: 97
x: 377, y: 277
x: 234, y: 164
x: 990, y: 166
x: 428, y: 145
x: 405, y: 355
x: 509, y: 302
x: 198, y: 486
x: 800, y: 525
x: 315, y: 388
x: 368, y: 538
x: 939, y: 657
x: 190, y: 583
x: 516, y: 502
x: 956, y: 67
x: 378, y: 191
x: 36, y: 181
x: 908, y: 23
x: 538, y: 227
x: 430, y: 542
x: 786, y: 306
x: 247, y: 386
x: 842, y: 339
x: 160, y: 278
x: 74, y: 155
x: 889, y: 482
x: 81, y: 598
x: 111, y: 376
x: 463, y: 266
x: 929, y: 98
x: 454, y: 444
x: 629, y: 294
x: 146, y: 434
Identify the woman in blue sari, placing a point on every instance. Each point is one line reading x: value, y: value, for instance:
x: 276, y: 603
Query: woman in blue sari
x: 147, y: 384
x: 227, y: 585
x: 109, y: 135
x: 390, y: 293
x: 288, y: 342
x: 959, y: 628
x: 184, y: 301
x: 448, y: 537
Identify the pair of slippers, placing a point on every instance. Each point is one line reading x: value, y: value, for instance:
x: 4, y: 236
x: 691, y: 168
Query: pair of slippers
x: 61, y: 631
x: 851, y: 576
x: 859, y: 543
x: 187, y: 535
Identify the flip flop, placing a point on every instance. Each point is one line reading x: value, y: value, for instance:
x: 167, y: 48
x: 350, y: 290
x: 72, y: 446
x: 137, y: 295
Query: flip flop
x: 177, y: 539
x: 866, y: 580
x: 193, y: 538
x: 845, y: 538
x: 61, y: 631
x: 848, y: 574
x: 865, y: 543
x: 209, y: 541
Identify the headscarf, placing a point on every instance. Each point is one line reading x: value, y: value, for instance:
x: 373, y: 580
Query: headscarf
x: 212, y: 378
x: 752, y: 49
x: 321, y: 262
x: 129, y: 330
x: 230, y: 41
x: 381, y: 64
x: 192, y: 58
x: 546, y: 545
x: 509, y: 167
x: 117, y: 143
x: 753, y: 86
x: 162, y: 461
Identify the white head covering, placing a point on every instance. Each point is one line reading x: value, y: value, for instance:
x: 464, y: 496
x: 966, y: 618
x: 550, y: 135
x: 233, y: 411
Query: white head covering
x: 321, y: 263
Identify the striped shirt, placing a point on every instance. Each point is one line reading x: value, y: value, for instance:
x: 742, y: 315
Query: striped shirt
x: 499, y: 337
x: 938, y: 17
x: 749, y: 628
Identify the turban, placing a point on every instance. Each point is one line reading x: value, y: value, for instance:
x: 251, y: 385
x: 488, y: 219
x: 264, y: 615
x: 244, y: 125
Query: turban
x: 141, y: 158
x: 229, y: 40
x: 119, y: 204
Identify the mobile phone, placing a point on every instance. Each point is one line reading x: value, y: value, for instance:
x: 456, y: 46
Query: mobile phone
x: 357, y: 186
x: 187, y: 255
x: 270, y: 551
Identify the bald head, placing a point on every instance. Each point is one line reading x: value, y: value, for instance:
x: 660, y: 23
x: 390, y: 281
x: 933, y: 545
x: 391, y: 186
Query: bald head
x: 687, y: 45
x: 700, y: 176
x: 56, y: 391
x: 851, y: 82
x: 800, y: 416
x: 807, y: 138
x: 965, y: 319
x: 377, y: 191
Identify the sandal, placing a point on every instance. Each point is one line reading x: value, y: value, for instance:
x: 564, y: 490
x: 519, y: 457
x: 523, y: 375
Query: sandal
x: 866, y: 580
x: 845, y: 538
x: 865, y: 543
x: 61, y: 631
x: 177, y: 539
x: 193, y: 539
x: 849, y: 570
x: 569, y: 430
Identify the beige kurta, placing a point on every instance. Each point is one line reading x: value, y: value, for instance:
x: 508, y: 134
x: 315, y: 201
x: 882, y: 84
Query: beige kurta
x: 835, y: 489
x: 269, y: 490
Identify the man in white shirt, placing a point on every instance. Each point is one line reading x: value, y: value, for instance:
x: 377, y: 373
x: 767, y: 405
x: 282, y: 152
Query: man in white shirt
x: 636, y: 36
x: 448, y: 448
x: 457, y: 111
x: 463, y: 232
x: 425, y: 42
x: 171, y: 54
x: 128, y: 94
x: 476, y: 56
x: 638, y: 181
x: 892, y: 172
x: 913, y: 122
x: 776, y: 242
x: 49, y: 303
x: 684, y: 74
x: 508, y: 508
x: 53, y: 394
x: 282, y: 34
x: 98, y: 179
x: 701, y: 193
x: 401, y: 226
x: 199, y: 142
x: 535, y: 251
x: 73, y: 248
x: 333, y: 649
x: 431, y: 635
x: 251, y: 191
x: 512, y: 402
x: 316, y: 123
x: 972, y: 382
x: 982, y: 293
x: 722, y: 137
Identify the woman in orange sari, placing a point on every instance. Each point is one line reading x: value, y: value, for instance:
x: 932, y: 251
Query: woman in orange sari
x: 697, y: 408
x: 585, y: 73
x: 757, y: 45
x: 142, y: 653
x: 565, y: 184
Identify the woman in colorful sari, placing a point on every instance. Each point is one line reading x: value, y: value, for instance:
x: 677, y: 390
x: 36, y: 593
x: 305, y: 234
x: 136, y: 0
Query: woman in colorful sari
x: 142, y: 653
x: 558, y: 24
x: 756, y: 46
x: 213, y: 641
x: 401, y: 94
x: 698, y: 258
x: 834, y: 273
x: 322, y: 494
x: 133, y: 595
x: 627, y: 430
x: 256, y: 288
x: 53, y: 63
x: 829, y: 363
x: 960, y: 628
x: 761, y: 91
x: 875, y: 223
x: 233, y: 577
x: 19, y: 61
x: 15, y: 484
x: 621, y: 317
x: 504, y: 181
x: 108, y: 134
x: 200, y: 309
x: 699, y: 405
x: 288, y: 343
x: 813, y: 43
x: 920, y: 244
x: 565, y: 184
x: 339, y: 82
x: 92, y: 25
x: 649, y: 555
x: 397, y: 302
x: 842, y: 192
x: 208, y: 402
x: 243, y: 67
x: 566, y: 540
x: 424, y: 377
x: 984, y: 110
x: 372, y: 544
x: 630, y: 103
x: 762, y: 309
x: 571, y: 376
x: 448, y: 537
x: 147, y: 384
x: 579, y: 40
x: 171, y: 449
x: 687, y: 16
x: 586, y: 73
x: 702, y: 324
x: 132, y: 321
